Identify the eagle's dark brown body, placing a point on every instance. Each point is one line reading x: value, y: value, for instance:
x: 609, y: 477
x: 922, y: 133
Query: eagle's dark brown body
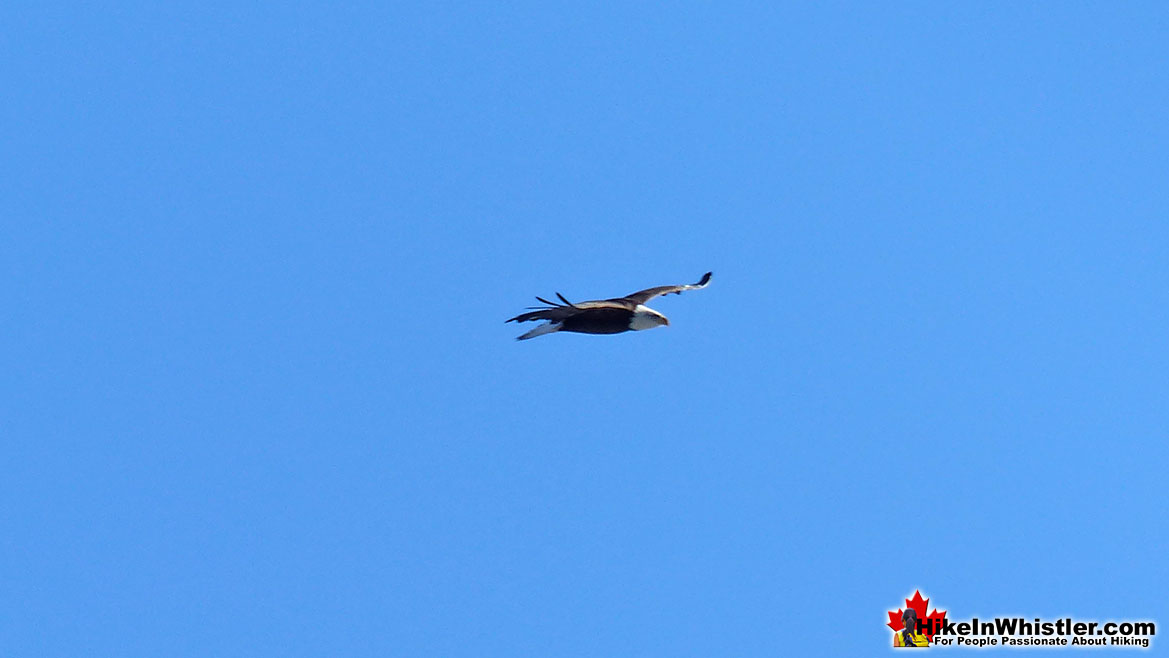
x: 599, y: 321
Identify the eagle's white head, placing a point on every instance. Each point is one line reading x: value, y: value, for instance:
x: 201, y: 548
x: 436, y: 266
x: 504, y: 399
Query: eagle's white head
x: 646, y: 318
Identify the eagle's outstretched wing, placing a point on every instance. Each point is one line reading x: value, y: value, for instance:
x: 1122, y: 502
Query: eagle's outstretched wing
x: 554, y: 312
x: 557, y: 312
x: 643, y: 296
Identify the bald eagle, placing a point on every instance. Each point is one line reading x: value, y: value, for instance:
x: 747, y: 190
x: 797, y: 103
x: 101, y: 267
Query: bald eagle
x: 604, y: 316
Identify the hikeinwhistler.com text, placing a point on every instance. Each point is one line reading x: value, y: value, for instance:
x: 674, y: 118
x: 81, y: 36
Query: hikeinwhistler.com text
x: 1019, y: 632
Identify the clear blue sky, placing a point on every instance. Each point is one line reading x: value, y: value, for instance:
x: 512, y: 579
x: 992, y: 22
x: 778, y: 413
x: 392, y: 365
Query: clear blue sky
x: 259, y: 398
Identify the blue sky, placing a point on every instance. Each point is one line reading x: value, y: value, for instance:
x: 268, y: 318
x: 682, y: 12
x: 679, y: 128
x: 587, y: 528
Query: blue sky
x: 259, y: 398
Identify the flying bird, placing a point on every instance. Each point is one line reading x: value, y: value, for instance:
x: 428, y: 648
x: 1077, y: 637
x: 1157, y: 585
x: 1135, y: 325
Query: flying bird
x: 603, y: 316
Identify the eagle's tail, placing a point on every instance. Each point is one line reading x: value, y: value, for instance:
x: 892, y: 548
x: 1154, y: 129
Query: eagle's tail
x: 549, y: 328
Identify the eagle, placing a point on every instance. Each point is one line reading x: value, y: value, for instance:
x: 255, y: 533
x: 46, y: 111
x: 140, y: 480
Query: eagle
x: 602, y: 316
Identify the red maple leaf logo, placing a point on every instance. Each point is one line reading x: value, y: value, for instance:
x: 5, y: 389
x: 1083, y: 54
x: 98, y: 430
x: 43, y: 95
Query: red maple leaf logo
x: 919, y: 606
